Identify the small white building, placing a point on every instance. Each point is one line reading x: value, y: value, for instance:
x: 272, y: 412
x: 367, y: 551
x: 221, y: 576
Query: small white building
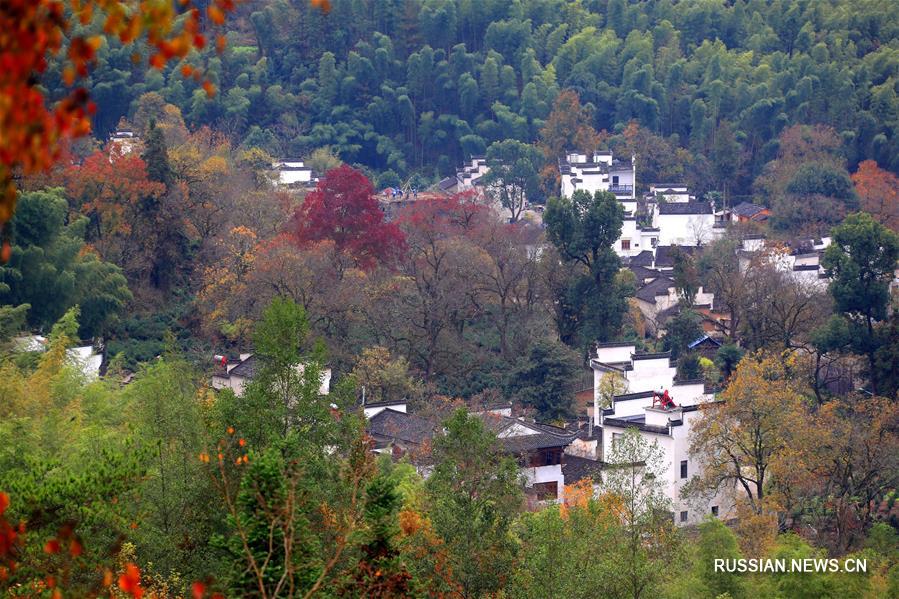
x: 293, y: 174
x: 472, y: 173
x: 646, y: 375
x: 125, y: 141
x: 83, y: 359
x: 669, y: 192
x: 236, y: 376
x: 540, y: 450
x: 689, y: 223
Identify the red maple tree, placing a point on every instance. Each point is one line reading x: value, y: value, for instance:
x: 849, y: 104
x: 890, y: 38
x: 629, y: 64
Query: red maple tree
x: 343, y: 209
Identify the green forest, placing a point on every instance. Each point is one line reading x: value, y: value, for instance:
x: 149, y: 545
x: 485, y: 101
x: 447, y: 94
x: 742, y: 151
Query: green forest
x: 417, y: 86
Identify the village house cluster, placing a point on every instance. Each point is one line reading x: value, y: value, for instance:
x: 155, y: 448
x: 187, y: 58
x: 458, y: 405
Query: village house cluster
x: 659, y: 226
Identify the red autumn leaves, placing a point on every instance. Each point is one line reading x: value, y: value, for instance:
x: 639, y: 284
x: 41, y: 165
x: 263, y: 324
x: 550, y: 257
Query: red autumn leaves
x: 343, y: 209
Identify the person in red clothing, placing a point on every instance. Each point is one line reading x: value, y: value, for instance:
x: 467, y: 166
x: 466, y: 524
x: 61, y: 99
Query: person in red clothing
x: 664, y: 401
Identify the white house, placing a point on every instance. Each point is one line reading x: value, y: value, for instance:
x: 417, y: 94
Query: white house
x: 125, y: 141
x: 599, y: 172
x: 471, y: 174
x: 635, y: 238
x: 684, y: 223
x: 647, y: 375
x: 83, y: 358
x: 236, y: 376
x: 539, y: 448
x: 292, y: 174
x: 670, y: 192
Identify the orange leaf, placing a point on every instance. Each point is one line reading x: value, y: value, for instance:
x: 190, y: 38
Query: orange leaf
x: 52, y: 546
x: 216, y: 15
x: 322, y: 5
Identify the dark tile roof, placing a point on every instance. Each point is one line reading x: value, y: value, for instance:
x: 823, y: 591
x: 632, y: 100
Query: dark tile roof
x: 575, y: 468
x: 692, y: 207
x: 704, y: 339
x: 649, y: 291
x: 246, y: 369
x: 447, y: 183
x: 644, y: 258
x: 638, y: 424
x: 643, y: 273
x: 665, y: 254
x: 537, y: 441
x: 651, y: 355
x: 747, y: 209
x: 637, y: 395
x: 663, y: 316
x: 545, y: 436
x: 395, y: 425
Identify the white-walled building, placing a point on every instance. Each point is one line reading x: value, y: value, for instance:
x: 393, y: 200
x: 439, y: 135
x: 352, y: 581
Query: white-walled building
x: 471, y: 174
x: 669, y: 192
x: 125, y: 141
x: 539, y: 448
x: 600, y: 172
x: 237, y: 376
x: 84, y: 358
x: 293, y: 174
x: 645, y: 375
x: 689, y: 223
x: 635, y: 238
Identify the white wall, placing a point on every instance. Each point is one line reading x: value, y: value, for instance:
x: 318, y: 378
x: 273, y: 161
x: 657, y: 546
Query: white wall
x: 684, y: 229
x: 650, y: 375
x: 546, y: 474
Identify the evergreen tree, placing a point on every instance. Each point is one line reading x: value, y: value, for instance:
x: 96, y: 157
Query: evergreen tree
x: 583, y: 230
x: 545, y: 380
x: 156, y: 155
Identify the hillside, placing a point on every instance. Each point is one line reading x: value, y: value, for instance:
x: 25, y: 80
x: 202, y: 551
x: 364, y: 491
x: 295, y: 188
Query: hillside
x: 416, y: 86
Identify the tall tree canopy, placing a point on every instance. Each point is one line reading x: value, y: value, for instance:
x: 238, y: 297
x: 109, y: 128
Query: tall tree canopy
x: 343, y: 209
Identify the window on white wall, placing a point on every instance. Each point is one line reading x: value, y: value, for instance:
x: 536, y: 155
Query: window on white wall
x: 683, y: 516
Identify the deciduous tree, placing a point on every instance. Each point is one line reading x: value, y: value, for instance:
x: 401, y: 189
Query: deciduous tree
x: 740, y: 437
x: 343, y: 209
x: 878, y: 191
x: 33, y: 134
